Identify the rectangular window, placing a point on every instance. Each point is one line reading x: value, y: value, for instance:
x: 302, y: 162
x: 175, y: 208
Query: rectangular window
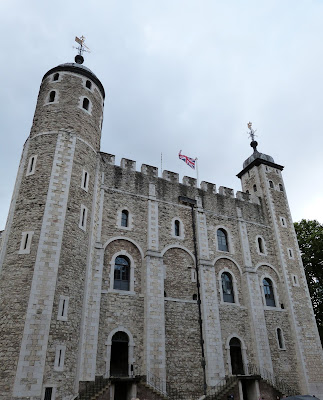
x: 283, y: 222
x: 62, y: 308
x: 31, y: 165
x: 193, y: 275
x: 83, y: 217
x: 48, y: 393
x: 59, y: 358
x: 85, y: 180
x: 295, y: 280
x: 25, y: 243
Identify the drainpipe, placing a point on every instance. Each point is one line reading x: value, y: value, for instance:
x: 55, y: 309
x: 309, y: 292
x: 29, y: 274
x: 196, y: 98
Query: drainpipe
x: 192, y: 204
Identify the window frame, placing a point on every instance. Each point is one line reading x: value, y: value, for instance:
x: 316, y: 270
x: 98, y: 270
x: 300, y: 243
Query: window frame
x: 83, y: 217
x: 124, y: 221
x: 234, y: 285
x: 121, y: 282
x: 85, y: 183
x: 31, y: 167
x: 62, y: 308
x: 264, y: 253
x: 226, y: 235
x: 230, y: 277
x: 81, y: 102
x: 132, y: 273
x: 59, y: 361
x: 25, y: 242
x: 280, y: 339
x: 275, y: 298
x: 48, y: 386
x: 56, y: 97
x: 119, y: 219
x: 181, y: 235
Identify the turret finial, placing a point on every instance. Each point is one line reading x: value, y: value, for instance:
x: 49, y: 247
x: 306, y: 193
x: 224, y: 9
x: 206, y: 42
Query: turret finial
x: 79, y: 59
x: 252, y: 135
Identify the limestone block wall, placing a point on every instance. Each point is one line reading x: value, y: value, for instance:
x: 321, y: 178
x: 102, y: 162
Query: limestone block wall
x: 18, y: 269
x: 293, y: 285
x: 66, y: 110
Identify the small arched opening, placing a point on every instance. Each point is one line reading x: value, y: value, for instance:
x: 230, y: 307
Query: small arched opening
x: 86, y: 104
x: 52, y: 95
x: 119, y: 354
x: 236, y: 357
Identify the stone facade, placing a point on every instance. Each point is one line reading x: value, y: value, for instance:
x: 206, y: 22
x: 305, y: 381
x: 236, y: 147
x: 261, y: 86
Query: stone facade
x: 70, y: 311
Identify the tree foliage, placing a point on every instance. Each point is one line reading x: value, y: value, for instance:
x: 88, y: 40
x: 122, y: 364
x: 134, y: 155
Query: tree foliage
x: 310, y: 239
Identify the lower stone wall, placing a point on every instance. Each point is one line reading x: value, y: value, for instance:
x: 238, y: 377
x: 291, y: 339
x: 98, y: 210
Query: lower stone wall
x: 183, y: 350
x: 267, y: 392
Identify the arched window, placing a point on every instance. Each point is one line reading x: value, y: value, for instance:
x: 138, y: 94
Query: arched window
x: 56, y: 76
x: 177, y: 227
x: 236, y: 357
x: 88, y: 84
x: 254, y: 188
x: 119, y: 354
x: 280, y: 338
x: 227, y: 288
x: 52, y: 95
x: 271, y: 185
x: 269, y: 292
x: 194, y: 296
x: 261, y: 245
x: 86, y: 103
x: 124, y: 218
x: 222, y: 240
x: 281, y: 187
x: 121, y: 273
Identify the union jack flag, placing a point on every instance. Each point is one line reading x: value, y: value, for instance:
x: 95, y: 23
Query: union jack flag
x: 188, y: 160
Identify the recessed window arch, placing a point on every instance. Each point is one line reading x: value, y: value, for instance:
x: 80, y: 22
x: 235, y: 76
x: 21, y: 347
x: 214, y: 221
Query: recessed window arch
x: 56, y: 76
x: 177, y: 228
x: 122, y: 273
x: 227, y: 287
x: 269, y: 292
x: 281, y: 187
x: 86, y: 104
x: 261, y: 245
x: 125, y: 218
x: 254, y: 187
x: 88, y: 84
x: 280, y: 339
x: 121, y: 279
x: 222, y: 240
x: 271, y: 185
x: 52, y: 96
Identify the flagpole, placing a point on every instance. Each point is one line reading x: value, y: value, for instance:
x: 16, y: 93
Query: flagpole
x: 197, y: 172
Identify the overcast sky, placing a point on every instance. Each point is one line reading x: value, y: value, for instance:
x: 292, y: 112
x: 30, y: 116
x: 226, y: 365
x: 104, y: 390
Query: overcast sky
x: 179, y: 75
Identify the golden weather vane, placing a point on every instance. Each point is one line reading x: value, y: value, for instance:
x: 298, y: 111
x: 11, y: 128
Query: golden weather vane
x: 79, y: 59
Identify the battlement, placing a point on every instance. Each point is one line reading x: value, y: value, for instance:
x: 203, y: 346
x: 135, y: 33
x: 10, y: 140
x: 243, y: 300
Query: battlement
x: 173, y: 177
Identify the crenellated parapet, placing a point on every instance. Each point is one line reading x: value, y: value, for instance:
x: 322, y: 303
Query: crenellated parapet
x: 173, y: 177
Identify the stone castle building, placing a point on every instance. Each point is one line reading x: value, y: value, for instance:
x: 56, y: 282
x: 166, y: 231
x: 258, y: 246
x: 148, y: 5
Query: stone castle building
x: 142, y: 280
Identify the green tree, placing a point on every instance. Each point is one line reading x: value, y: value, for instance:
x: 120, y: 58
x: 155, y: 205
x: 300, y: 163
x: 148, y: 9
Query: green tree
x: 310, y: 239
